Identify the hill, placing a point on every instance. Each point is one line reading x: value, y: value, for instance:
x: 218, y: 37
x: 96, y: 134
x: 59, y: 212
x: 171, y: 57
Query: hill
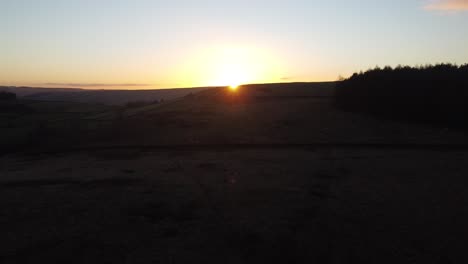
x: 108, y: 97
x: 268, y: 114
x: 267, y: 173
x: 264, y: 114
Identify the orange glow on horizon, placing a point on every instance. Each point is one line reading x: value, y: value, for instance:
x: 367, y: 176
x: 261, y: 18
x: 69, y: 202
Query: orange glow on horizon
x: 222, y: 65
x: 229, y: 66
x: 233, y: 87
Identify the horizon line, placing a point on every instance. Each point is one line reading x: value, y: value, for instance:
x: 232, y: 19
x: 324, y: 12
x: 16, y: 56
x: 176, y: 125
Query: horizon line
x: 89, y: 88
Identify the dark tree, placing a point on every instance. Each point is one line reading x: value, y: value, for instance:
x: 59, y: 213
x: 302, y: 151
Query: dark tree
x: 428, y: 94
x: 10, y: 104
x: 7, y: 96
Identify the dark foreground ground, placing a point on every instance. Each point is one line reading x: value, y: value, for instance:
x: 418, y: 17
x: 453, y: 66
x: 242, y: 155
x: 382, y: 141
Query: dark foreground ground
x: 239, y: 206
x: 265, y: 176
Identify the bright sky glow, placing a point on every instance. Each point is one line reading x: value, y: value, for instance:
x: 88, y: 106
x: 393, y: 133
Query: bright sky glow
x: 144, y: 44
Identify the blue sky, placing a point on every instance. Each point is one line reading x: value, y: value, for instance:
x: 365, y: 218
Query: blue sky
x: 155, y: 44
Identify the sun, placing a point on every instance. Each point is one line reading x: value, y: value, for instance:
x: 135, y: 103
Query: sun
x: 233, y: 73
x: 233, y: 87
x: 234, y: 67
x: 231, y: 66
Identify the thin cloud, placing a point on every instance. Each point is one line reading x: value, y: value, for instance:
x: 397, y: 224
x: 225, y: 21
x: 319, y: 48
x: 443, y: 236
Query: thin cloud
x: 99, y: 84
x: 447, y: 5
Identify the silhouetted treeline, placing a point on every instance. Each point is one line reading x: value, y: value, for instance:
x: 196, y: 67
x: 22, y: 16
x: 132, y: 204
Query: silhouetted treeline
x: 9, y: 104
x: 7, y: 96
x: 428, y: 94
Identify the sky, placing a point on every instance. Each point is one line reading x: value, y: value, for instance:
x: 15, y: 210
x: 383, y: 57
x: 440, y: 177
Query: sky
x: 143, y: 44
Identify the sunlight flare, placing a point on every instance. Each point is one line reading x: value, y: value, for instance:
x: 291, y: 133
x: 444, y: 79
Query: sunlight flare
x: 233, y: 87
x: 231, y: 66
x: 234, y: 67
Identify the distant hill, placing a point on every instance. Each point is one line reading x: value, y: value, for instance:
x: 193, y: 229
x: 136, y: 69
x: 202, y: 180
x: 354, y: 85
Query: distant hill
x: 107, y: 97
x: 265, y: 114
x: 61, y: 118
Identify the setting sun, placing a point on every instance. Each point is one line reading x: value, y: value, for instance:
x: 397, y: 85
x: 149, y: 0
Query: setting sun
x: 234, y: 67
x: 230, y: 66
x: 233, y: 87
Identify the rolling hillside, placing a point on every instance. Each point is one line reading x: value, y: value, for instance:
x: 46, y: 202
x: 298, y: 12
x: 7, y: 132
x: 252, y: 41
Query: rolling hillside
x: 268, y: 173
x: 265, y: 114
x: 108, y: 97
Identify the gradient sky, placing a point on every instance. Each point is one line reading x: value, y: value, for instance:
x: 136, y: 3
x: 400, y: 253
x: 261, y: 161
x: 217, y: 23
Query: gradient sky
x: 155, y: 44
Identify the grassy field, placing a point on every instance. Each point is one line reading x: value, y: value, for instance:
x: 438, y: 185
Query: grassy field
x: 267, y: 174
x: 297, y: 114
x: 48, y: 124
x: 238, y: 206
